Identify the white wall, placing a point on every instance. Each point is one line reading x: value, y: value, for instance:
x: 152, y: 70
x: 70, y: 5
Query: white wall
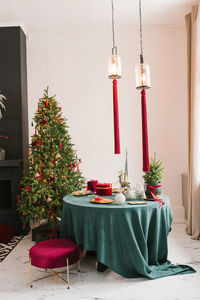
x: 74, y: 65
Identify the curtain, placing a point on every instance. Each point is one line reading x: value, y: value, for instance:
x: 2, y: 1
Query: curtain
x: 193, y: 53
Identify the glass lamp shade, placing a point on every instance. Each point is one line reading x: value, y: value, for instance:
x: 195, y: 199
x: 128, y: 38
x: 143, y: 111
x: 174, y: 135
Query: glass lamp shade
x: 142, y: 74
x: 114, y: 67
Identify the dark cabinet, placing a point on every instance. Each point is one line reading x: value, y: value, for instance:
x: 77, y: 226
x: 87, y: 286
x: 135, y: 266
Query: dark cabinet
x: 14, y: 124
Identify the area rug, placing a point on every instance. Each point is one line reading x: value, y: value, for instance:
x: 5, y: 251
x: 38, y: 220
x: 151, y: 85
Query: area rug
x: 5, y: 249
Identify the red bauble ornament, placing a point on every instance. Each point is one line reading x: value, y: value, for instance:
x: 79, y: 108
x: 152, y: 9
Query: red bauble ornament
x: 44, y: 122
x: 52, y: 178
x: 75, y: 164
x: 33, y: 144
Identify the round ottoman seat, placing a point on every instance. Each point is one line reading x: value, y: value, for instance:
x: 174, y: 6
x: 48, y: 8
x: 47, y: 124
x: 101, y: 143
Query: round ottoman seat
x: 55, y: 253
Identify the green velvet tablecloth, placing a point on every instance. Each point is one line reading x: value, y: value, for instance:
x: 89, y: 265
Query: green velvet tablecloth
x: 129, y: 239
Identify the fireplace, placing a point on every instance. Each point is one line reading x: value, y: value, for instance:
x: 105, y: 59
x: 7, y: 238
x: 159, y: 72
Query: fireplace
x: 5, y: 194
x: 14, y: 123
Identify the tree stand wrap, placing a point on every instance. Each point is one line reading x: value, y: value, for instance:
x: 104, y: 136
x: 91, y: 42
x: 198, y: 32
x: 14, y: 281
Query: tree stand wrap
x: 116, y: 118
x: 144, y: 133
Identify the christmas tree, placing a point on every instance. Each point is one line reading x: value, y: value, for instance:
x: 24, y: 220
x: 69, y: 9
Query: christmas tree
x: 53, y: 166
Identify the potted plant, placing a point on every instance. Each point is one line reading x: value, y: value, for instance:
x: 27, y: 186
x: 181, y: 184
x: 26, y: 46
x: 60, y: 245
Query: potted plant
x: 2, y: 105
x: 153, y: 178
x: 2, y: 151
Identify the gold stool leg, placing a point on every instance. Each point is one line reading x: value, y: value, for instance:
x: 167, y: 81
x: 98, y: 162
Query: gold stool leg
x: 79, y: 267
x: 31, y: 280
x: 67, y: 274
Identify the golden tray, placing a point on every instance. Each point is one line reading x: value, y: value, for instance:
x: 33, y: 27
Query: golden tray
x: 81, y: 193
x: 103, y: 201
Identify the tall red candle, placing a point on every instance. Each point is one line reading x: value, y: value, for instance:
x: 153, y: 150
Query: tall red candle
x: 116, y: 118
x: 144, y: 133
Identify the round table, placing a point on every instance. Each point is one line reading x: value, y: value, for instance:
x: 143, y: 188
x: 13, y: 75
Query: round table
x: 129, y: 239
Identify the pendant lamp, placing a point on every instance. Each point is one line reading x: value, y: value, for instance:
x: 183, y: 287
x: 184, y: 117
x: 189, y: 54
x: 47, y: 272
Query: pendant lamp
x: 142, y: 73
x: 142, y: 70
x: 114, y: 73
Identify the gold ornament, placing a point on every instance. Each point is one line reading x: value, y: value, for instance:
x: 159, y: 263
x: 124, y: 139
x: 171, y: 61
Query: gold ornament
x: 43, y: 209
x: 58, y: 155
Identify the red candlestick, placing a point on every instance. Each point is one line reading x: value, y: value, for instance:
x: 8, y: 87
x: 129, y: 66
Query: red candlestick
x: 52, y: 162
x: 71, y: 167
x: 116, y: 118
x: 28, y: 188
x: 17, y: 199
x: 60, y: 145
x: 40, y: 143
x: 40, y: 176
x: 35, y: 131
x: 144, y: 133
x: 59, y: 119
x: 46, y: 103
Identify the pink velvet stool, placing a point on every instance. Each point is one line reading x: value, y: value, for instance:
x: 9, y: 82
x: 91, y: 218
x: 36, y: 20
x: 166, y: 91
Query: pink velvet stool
x: 54, y: 253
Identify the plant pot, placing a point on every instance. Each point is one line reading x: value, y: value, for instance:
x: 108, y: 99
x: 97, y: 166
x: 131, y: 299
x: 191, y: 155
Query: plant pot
x: 2, y: 154
x: 155, y: 188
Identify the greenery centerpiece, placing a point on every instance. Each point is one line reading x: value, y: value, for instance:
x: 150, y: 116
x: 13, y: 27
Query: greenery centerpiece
x: 153, y: 177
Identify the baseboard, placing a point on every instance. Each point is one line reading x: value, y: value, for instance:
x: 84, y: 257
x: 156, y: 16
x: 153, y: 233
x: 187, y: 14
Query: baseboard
x: 178, y: 214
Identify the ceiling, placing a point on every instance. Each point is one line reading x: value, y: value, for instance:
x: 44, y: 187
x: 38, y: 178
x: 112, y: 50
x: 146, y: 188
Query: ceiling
x: 67, y: 15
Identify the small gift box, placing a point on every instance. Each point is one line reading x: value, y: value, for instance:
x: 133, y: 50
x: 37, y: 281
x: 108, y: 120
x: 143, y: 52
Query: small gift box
x: 91, y: 185
x: 104, y: 189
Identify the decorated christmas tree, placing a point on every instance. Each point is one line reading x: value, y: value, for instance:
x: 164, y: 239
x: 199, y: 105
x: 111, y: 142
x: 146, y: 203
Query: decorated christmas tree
x: 53, y: 166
